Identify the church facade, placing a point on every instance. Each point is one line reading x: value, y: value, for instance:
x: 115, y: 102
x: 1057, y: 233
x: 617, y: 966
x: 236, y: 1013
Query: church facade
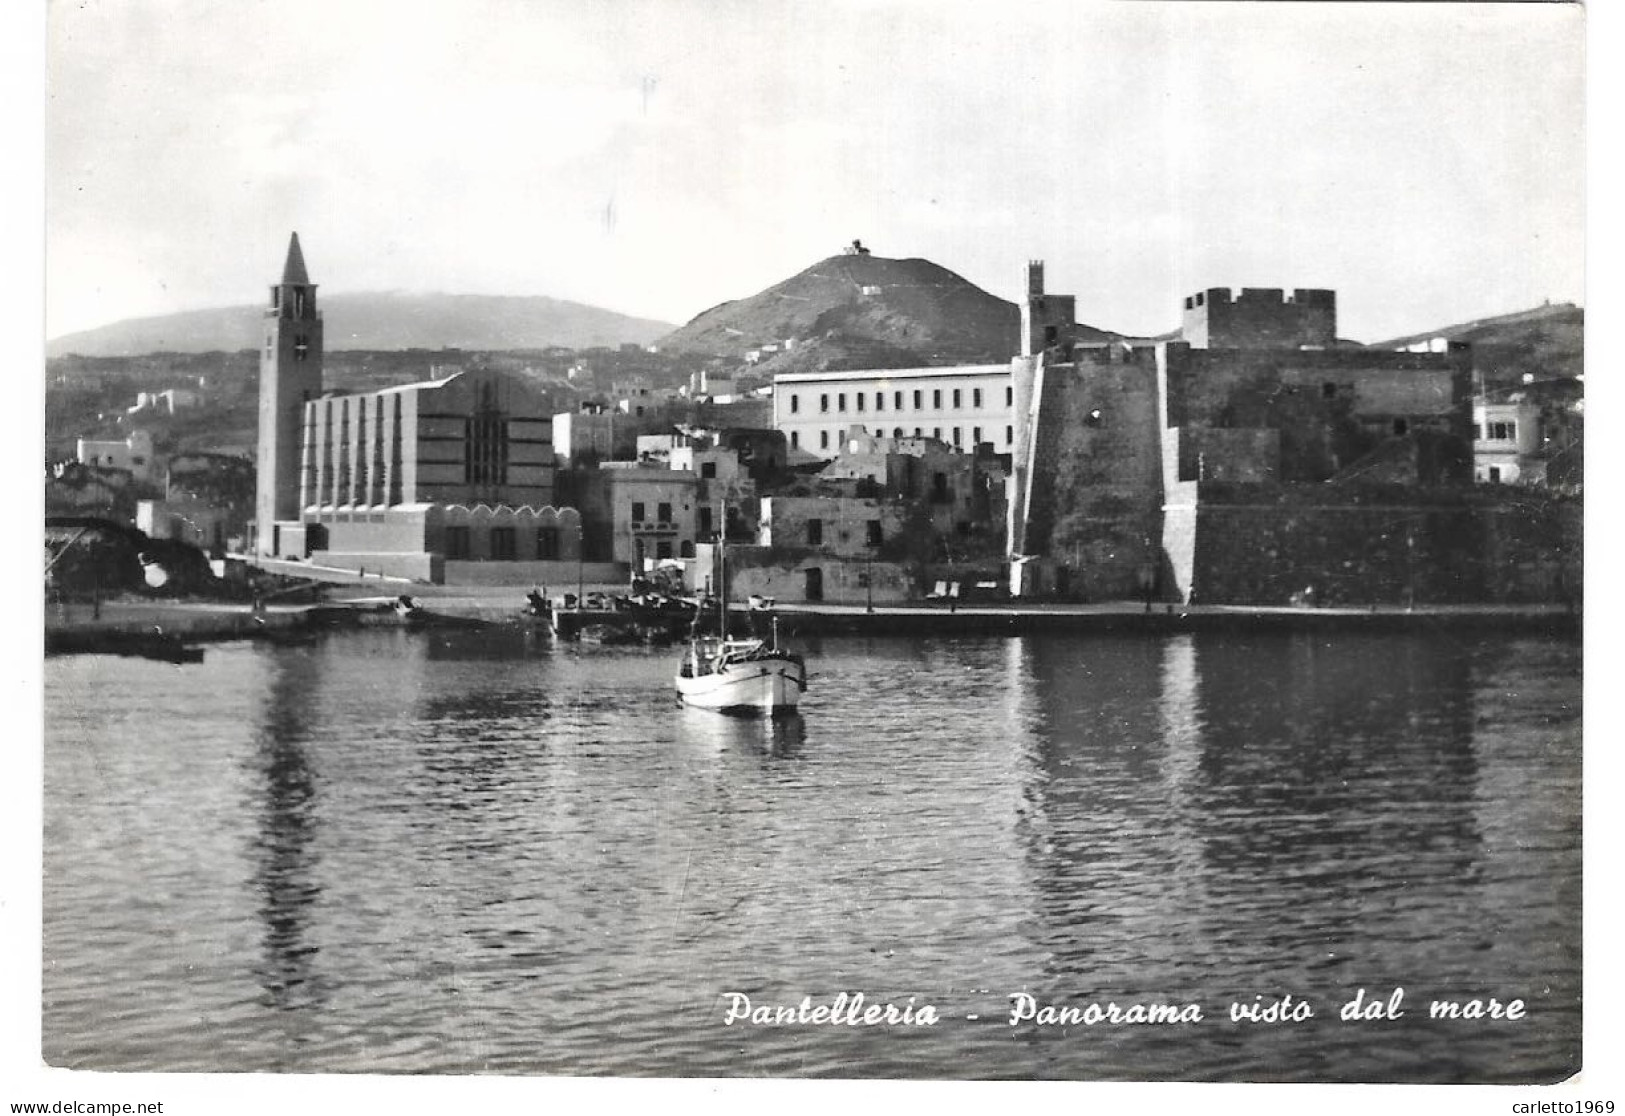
x: 448, y: 479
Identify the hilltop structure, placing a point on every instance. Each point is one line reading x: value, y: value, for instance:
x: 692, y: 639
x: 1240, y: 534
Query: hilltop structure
x: 966, y: 406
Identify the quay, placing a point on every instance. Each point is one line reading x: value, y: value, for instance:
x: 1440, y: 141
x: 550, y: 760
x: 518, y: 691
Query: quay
x: 75, y: 629
x: 1132, y: 618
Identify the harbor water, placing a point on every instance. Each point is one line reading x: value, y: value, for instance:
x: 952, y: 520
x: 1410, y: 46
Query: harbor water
x: 479, y: 851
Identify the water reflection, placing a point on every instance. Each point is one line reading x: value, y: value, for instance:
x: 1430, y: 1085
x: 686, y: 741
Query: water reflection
x: 1331, y: 756
x: 496, y: 643
x: 705, y: 731
x: 542, y: 862
x: 1173, y: 778
x: 283, y: 848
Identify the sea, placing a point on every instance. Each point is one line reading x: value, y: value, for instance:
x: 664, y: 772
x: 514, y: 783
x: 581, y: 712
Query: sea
x: 1356, y: 857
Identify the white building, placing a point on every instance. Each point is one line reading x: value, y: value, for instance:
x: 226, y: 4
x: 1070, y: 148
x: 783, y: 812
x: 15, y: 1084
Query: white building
x: 1506, y: 437
x: 961, y: 406
x: 134, y: 454
x: 166, y: 402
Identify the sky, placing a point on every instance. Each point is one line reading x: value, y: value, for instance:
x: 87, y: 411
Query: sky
x: 1426, y: 161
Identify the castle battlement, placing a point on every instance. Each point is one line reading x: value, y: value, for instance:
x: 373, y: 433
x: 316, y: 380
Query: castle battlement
x: 1260, y: 318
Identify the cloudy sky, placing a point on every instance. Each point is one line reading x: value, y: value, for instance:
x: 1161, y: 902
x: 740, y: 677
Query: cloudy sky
x: 657, y: 158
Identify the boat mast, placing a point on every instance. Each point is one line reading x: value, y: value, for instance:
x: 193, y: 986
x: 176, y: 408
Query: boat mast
x: 722, y: 568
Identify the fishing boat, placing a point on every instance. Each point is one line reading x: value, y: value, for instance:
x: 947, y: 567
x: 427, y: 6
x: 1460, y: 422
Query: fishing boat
x: 751, y: 676
x: 741, y: 676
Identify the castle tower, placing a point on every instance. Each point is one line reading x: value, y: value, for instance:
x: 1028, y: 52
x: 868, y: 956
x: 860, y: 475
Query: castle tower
x: 1032, y: 309
x: 290, y: 375
x: 1046, y: 320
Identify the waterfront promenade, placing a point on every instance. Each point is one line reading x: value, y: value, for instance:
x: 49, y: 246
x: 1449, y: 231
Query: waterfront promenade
x: 77, y: 624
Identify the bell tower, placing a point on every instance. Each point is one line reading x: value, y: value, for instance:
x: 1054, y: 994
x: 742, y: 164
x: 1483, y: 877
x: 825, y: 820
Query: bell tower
x: 290, y: 376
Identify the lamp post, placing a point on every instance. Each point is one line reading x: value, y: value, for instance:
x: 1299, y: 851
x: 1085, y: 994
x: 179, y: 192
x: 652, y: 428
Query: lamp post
x: 581, y: 546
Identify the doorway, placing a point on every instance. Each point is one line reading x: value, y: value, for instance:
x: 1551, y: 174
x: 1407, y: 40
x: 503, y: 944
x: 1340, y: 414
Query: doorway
x: 814, y: 590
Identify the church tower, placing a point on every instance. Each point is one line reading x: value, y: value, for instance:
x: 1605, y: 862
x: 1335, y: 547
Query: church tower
x: 290, y: 375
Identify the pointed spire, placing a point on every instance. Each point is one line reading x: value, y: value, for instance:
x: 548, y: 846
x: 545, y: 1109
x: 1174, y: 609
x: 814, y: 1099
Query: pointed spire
x: 293, y: 272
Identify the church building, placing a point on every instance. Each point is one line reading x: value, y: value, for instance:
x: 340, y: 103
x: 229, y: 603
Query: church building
x: 448, y: 480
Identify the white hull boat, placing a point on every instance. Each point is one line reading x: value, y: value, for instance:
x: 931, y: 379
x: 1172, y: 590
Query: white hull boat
x: 741, y: 676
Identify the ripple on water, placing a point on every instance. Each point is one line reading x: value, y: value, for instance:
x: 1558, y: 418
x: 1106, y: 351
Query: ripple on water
x: 457, y: 854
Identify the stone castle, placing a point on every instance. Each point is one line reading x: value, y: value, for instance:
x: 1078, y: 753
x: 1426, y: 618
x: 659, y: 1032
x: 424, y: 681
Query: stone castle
x: 1257, y: 459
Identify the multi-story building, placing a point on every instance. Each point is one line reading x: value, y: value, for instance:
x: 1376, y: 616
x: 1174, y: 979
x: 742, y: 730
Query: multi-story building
x: 634, y: 514
x: 1506, y: 440
x: 963, y: 407
x: 818, y: 548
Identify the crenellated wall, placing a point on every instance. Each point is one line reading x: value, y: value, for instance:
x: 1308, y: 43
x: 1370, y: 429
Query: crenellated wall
x: 1260, y: 318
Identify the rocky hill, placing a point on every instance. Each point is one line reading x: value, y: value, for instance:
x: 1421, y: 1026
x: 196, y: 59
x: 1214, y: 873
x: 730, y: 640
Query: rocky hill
x: 862, y: 311
x: 1547, y: 343
x: 379, y: 321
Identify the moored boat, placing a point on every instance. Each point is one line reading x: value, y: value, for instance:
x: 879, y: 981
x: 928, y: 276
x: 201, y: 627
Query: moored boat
x: 741, y: 676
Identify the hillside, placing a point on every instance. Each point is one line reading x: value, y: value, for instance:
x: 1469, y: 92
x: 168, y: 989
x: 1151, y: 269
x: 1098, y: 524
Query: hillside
x: 387, y: 320
x: 863, y: 312
x: 1547, y: 343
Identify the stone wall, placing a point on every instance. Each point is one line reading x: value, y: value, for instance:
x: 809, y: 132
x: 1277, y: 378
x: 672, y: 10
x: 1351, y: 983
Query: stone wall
x: 1332, y: 408
x: 843, y: 523
x: 1393, y: 545
x: 782, y: 573
x: 1250, y: 455
x: 557, y: 577
x: 1095, y: 492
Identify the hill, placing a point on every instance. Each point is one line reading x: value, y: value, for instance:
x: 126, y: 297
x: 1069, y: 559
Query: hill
x: 853, y: 311
x: 379, y: 321
x: 1547, y: 343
